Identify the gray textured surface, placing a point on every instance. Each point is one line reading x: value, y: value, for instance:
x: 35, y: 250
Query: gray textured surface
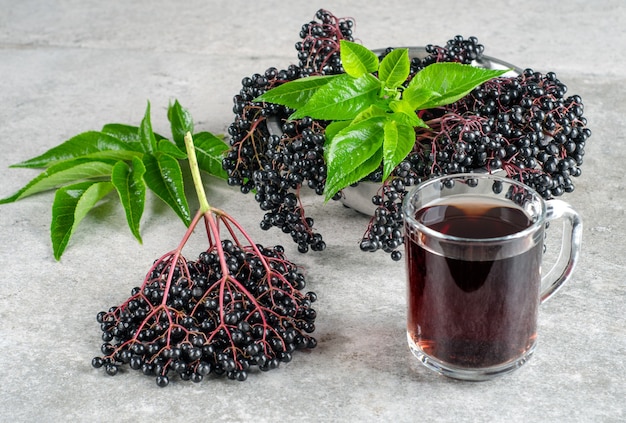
x: 70, y: 66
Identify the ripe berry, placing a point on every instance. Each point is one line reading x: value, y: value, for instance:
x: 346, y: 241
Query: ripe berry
x: 162, y: 381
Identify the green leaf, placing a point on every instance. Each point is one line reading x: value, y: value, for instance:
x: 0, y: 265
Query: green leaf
x: 334, y: 127
x: 180, y: 122
x: 131, y: 188
x: 164, y: 177
x: 296, y: 93
x: 167, y: 147
x: 71, y: 205
x: 210, y: 151
x: 356, y: 59
x: 395, y: 68
x: 61, y: 174
x: 146, y: 135
x: 342, y: 98
x: 418, y: 97
x: 405, y: 113
x: 336, y: 183
x: 353, y: 153
x: 126, y: 133
x: 92, y: 144
x: 113, y: 155
x: 398, y: 142
x: 372, y: 111
x: 446, y: 82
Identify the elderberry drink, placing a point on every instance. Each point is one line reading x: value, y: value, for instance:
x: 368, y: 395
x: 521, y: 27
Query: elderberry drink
x: 489, y: 313
x: 474, y: 247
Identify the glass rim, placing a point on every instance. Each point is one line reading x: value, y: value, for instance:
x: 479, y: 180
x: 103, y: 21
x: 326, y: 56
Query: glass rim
x: 408, y: 218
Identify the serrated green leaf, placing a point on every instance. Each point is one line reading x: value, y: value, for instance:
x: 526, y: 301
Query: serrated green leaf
x: 356, y: 59
x: 404, y: 113
x: 390, y: 142
x: 360, y: 137
x: 445, y: 83
x: 164, y: 177
x: 335, y: 183
x: 146, y: 135
x: 93, y: 144
x: 334, y: 127
x: 181, y: 122
x: 353, y: 153
x: 128, y: 134
x: 167, y: 147
x: 61, y: 174
x: 343, y: 98
x: 398, y: 142
x: 71, y: 205
x: 296, y: 93
x: 113, y: 155
x: 413, y: 121
x: 418, y: 97
x: 210, y: 151
x: 131, y: 189
x: 372, y: 111
x: 395, y: 68
x: 125, y: 133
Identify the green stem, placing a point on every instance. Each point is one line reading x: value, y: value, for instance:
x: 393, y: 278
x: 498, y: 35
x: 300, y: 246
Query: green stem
x: 195, y: 174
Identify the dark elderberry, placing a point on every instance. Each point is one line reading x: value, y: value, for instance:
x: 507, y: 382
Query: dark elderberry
x: 162, y: 381
x: 241, y: 327
x: 274, y: 166
x: 248, y: 316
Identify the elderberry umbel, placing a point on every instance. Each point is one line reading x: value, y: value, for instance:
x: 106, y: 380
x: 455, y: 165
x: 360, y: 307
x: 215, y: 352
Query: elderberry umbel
x: 238, y: 306
x: 233, y: 308
x: 275, y: 166
x: 525, y: 126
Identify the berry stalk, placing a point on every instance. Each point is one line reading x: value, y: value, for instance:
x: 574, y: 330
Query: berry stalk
x: 195, y: 174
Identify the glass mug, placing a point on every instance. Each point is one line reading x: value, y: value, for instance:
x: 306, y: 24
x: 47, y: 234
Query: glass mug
x: 474, y: 245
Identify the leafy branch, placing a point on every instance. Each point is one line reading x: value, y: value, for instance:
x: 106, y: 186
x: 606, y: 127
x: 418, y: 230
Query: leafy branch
x: 373, y: 108
x: 122, y: 158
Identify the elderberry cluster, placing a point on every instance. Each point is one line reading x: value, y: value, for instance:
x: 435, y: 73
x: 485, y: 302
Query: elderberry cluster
x: 233, y: 308
x: 458, y: 49
x: 275, y: 157
x: 542, y: 132
x: 524, y: 126
x: 318, y: 52
x: 297, y: 158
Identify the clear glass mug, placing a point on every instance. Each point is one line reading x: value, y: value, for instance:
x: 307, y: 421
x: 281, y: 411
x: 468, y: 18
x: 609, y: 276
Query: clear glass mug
x: 474, y: 245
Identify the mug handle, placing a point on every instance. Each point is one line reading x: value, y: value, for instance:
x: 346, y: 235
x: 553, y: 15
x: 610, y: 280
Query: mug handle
x: 570, y: 248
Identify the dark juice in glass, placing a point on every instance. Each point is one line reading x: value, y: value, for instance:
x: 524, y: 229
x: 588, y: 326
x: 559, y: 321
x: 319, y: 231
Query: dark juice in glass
x: 475, y: 306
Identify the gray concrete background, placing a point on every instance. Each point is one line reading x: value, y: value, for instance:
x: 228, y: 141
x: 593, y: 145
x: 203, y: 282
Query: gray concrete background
x: 68, y: 66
